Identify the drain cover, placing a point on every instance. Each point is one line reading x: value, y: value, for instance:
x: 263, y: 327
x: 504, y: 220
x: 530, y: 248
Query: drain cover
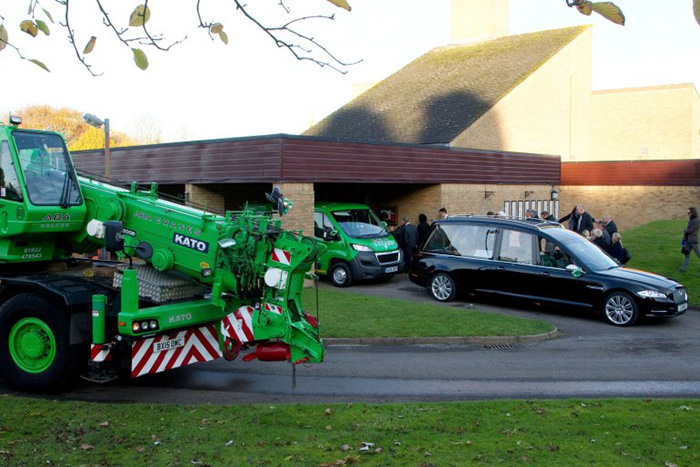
x: 499, y: 346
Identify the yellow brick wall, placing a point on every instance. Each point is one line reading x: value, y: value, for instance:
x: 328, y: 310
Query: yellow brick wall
x: 631, y: 206
x: 548, y: 113
x: 205, y: 195
x: 463, y: 199
x: 652, y: 123
x: 424, y: 200
x: 472, y: 199
x: 301, y: 215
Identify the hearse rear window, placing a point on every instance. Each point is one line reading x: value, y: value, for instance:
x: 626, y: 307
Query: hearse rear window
x: 473, y: 241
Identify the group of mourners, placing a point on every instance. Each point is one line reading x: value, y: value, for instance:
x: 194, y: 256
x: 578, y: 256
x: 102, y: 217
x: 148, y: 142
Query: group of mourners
x: 603, y: 232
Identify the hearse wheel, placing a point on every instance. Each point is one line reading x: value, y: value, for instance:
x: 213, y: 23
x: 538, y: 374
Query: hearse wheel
x: 620, y: 309
x: 442, y: 287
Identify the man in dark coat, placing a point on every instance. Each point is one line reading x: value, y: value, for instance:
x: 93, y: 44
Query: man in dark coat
x: 610, y: 225
x: 409, y: 234
x: 584, y: 221
x: 423, y: 228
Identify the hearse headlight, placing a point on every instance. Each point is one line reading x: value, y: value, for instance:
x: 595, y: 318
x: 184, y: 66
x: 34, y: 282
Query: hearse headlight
x: 358, y: 247
x: 651, y: 294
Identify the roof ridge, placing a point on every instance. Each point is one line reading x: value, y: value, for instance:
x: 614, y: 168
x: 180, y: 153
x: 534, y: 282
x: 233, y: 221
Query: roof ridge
x: 438, y: 95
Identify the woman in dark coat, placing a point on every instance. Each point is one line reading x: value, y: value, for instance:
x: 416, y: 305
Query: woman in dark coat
x: 572, y: 217
x: 617, y: 250
x: 690, y: 236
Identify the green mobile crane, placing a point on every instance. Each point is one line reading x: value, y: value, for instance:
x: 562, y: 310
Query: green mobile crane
x: 188, y: 286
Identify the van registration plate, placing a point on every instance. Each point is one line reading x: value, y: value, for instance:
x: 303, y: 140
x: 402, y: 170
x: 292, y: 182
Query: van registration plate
x: 168, y: 344
x: 391, y: 269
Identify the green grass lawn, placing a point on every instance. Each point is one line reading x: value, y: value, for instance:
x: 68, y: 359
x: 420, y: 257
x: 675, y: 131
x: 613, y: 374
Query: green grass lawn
x: 350, y: 314
x: 548, y: 433
x: 656, y: 247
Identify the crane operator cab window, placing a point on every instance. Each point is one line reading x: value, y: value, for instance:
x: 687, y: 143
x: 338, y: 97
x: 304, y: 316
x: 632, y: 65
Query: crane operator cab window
x: 9, y: 184
x: 48, y: 172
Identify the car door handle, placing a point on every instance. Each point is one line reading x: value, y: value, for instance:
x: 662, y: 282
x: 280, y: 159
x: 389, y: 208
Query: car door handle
x: 544, y: 273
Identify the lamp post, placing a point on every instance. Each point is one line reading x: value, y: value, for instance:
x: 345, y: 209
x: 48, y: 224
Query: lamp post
x: 96, y: 122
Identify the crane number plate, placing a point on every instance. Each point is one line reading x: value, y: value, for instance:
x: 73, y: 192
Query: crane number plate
x: 168, y: 344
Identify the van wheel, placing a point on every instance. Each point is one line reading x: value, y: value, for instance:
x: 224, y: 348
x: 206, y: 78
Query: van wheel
x: 341, y: 275
x: 442, y: 287
x: 620, y: 309
x: 35, y: 353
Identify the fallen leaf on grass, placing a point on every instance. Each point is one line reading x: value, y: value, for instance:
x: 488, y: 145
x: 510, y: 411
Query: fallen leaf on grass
x: 86, y: 447
x: 347, y: 461
x: 104, y: 424
x: 670, y: 464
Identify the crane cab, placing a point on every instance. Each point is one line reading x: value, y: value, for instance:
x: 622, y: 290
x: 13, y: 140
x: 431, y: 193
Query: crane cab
x: 40, y: 197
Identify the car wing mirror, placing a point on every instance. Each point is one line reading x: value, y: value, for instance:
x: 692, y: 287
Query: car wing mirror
x: 329, y: 235
x: 574, y: 270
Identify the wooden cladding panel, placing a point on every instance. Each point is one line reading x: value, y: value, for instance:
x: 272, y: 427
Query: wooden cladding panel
x: 303, y: 159
x: 201, y: 162
x: 615, y: 173
x: 352, y: 162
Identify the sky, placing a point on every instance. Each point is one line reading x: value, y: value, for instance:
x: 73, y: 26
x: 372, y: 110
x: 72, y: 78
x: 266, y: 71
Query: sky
x: 203, y: 89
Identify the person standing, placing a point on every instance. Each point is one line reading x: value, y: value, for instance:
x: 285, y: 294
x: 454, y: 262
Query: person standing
x: 690, y: 236
x: 545, y: 215
x: 410, y: 236
x: 572, y: 219
x: 584, y: 220
x: 423, y: 228
x: 610, y: 225
x: 618, y: 250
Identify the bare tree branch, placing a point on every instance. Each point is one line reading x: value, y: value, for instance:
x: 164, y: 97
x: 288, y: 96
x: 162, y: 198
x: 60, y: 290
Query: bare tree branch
x: 288, y: 36
x: 71, y: 39
x: 154, y: 41
x: 306, y: 53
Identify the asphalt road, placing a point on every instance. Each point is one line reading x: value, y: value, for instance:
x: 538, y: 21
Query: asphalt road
x: 590, y: 359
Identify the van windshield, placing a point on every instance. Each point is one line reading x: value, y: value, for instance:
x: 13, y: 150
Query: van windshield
x: 359, y: 223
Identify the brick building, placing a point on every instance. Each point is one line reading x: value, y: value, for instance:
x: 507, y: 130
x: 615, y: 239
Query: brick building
x: 407, y: 179
x: 502, y: 99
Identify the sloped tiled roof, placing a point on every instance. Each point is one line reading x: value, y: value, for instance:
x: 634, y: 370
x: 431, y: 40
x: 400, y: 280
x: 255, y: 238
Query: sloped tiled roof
x: 437, y: 96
